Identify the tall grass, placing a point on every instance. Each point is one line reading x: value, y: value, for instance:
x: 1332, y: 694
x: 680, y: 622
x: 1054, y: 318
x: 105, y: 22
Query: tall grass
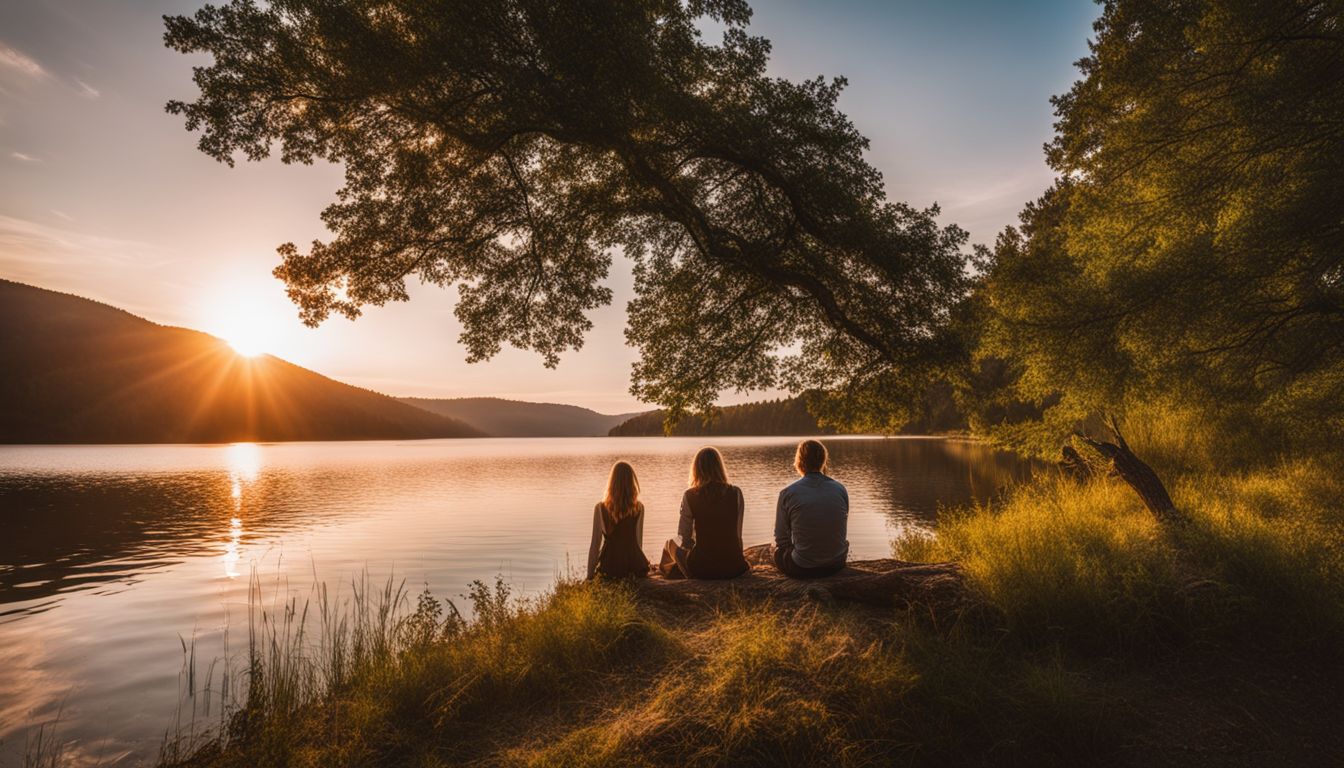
x: 1262, y: 554
x: 298, y: 650
x: 588, y: 676
x: 1085, y: 562
x: 45, y: 748
x: 1274, y: 539
x: 345, y: 681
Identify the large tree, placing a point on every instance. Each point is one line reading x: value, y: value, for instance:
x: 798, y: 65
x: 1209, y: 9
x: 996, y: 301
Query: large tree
x: 1192, y: 251
x: 511, y: 146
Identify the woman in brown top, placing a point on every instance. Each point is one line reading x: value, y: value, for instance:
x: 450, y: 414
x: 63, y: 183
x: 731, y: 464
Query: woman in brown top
x: 710, y: 526
x: 617, y: 548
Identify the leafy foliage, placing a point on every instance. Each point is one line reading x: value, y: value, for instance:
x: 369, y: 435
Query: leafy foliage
x: 508, y: 146
x: 1192, y: 251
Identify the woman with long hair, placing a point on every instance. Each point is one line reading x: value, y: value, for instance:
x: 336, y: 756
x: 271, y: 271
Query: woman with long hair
x: 710, y: 528
x: 617, y: 548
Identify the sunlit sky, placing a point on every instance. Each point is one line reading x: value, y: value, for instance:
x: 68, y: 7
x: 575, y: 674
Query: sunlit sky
x: 104, y: 195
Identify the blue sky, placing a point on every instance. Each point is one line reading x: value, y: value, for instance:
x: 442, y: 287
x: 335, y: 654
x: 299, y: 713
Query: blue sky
x: 105, y: 195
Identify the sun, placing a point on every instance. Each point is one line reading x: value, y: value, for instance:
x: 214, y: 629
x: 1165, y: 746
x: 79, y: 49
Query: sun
x: 249, y: 333
x: 253, y: 321
x: 247, y: 347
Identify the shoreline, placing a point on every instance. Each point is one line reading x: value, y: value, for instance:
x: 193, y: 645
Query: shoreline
x: 1099, y: 638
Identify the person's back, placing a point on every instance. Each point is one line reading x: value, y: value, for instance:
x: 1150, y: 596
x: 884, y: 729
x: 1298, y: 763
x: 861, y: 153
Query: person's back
x: 710, y: 527
x: 716, y: 514
x: 621, y: 553
x: 811, y: 519
x: 616, y: 549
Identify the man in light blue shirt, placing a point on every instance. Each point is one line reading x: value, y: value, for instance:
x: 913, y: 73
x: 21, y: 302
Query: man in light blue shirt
x: 811, y: 519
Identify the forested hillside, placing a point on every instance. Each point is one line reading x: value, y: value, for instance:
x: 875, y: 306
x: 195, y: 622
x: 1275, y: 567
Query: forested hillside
x: 498, y: 417
x: 77, y: 371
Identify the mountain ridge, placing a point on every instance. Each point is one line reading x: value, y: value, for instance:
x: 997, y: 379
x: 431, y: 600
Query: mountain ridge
x: 79, y: 370
x: 502, y: 417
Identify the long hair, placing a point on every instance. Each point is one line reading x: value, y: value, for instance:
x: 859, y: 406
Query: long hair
x: 708, y: 468
x: 622, y: 499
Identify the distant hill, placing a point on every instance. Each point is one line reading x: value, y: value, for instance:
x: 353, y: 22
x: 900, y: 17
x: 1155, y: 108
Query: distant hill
x: 514, y: 418
x: 77, y: 371
x: 769, y: 417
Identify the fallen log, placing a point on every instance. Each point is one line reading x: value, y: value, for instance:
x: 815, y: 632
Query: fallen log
x: 884, y: 583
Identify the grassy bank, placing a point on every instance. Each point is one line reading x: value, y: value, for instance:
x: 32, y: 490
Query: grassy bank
x: 1102, y: 638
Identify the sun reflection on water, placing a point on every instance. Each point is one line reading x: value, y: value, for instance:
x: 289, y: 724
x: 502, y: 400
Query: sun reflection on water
x: 244, y: 461
x: 231, y: 554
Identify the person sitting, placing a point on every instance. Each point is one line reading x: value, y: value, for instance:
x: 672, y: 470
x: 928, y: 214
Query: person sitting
x: 617, y: 548
x: 710, y: 528
x: 811, y: 519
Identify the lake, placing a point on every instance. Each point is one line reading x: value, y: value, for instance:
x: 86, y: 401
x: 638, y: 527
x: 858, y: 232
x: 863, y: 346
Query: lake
x: 113, y: 557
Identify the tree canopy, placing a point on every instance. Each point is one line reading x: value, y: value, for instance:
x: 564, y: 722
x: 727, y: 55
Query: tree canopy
x: 1192, y: 250
x: 509, y: 147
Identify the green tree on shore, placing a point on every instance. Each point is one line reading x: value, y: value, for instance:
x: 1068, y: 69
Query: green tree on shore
x: 508, y: 146
x: 1191, y: 253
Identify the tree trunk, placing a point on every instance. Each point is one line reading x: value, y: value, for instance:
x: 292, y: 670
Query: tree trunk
x: 1136, y: 473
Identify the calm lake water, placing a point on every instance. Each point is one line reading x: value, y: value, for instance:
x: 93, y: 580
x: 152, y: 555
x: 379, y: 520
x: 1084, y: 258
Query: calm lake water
x: 112, y: 556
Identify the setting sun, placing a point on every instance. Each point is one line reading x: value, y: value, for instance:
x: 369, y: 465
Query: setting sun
x: 247, y: 333
x: 245, y: 345
x: 252, y: 326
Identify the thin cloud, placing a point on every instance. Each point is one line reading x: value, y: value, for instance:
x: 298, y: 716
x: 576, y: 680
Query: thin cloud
x: 62, y: 215
x: 25, y: 158
x: 16, y: 60
x: 64, y: 259
x: 88, y: 91
x: 25, y: 242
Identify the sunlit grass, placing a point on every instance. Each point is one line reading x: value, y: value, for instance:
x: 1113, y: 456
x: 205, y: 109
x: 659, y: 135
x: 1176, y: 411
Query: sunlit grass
x: 589, y: 676
x: 1062, y: 558
x: 340, y: 682
x: 1275, y: 538
x: 1262, y: 550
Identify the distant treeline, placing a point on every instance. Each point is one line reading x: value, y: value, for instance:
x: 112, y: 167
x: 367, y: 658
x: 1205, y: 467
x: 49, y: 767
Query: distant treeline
x: 769, y: 417
x: 938, y: 414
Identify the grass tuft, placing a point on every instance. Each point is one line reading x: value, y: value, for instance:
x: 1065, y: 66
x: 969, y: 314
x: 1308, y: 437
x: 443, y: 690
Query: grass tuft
x: 1059, y: 559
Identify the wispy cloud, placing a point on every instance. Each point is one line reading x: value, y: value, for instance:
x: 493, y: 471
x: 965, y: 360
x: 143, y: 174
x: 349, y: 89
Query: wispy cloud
x: 62, y: 215
x: 17, y: 60
x: 88, y: 91
x: 64, y: 259
x: 35, y: 242
x: 24, y: 157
